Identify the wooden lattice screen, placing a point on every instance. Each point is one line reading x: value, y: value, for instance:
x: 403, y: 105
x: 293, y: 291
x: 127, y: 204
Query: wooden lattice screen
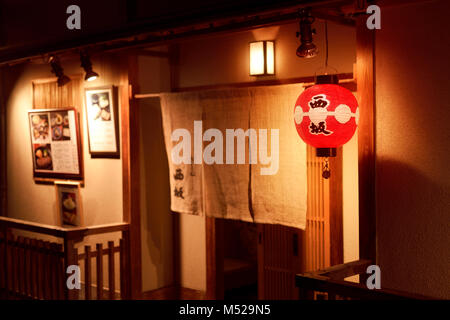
x: 317, y: 255
x: 47, y: 94
x: 284, y: 251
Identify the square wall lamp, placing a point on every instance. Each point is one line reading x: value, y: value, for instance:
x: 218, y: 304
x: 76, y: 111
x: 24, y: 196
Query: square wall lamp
x: 262, y: 58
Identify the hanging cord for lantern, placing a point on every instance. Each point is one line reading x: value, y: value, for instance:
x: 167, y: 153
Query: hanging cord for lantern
x: 326, y: 169
x: 326, y: 73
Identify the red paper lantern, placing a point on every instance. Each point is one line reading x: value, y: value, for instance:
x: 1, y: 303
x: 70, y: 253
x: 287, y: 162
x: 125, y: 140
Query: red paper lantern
x: 326, y: 116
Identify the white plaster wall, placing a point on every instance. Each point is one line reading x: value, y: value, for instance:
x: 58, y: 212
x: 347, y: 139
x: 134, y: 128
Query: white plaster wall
x: 102, y: 194
x: 413, y: 147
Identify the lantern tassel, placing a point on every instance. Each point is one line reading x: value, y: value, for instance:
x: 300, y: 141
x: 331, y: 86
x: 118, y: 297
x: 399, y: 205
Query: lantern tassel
x: 326, y: 169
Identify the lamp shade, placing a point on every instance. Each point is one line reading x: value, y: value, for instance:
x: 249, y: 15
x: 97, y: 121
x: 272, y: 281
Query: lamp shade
x: 86, y: 64
x: 326, y: 115
x: 262, y: 56
x: 91, y: 75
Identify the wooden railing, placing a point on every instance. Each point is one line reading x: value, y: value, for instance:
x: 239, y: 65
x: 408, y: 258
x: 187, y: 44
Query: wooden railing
x: 329, y: 284
x: 31, y: 268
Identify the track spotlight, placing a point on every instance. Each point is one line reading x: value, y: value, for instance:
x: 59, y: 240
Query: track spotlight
x: 307, y: 48
x: 58, y: 71
x: 87, y: 66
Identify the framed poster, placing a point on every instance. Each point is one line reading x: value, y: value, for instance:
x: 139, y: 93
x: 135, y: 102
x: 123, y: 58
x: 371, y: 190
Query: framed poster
x: 69, y: 204
x: 55, y: 143
x: 102, y: 124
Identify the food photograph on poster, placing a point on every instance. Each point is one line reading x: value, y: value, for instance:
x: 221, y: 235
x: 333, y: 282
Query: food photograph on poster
x: 60, y: 126
x: 256, y: 151
x: 69, y: 203
x: 102, y: 122
x: 56, y: 143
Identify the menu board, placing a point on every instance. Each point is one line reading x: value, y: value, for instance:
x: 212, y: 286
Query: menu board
x: 102, y: 122
x: 55, y: 143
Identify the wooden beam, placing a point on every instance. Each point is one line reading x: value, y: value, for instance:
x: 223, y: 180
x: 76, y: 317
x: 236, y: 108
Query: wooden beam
x: 344, y: 270
x: 365, y: 79
x: 350, y: 85
x: 345, y: 80
x: 62, y: 232
x: 312, y: 282
x: 333, y: 16
x: 130, y: 170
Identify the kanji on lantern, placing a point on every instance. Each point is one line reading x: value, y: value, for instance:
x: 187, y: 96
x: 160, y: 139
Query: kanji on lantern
x: 326, y: 115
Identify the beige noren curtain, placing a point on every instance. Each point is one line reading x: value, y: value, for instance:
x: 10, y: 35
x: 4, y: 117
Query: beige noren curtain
x: 270, y: 189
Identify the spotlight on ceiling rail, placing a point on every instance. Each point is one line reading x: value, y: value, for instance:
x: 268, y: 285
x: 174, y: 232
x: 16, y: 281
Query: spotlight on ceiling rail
x: 307, y: 48
x: 58, y: 71
x: 87, y: 66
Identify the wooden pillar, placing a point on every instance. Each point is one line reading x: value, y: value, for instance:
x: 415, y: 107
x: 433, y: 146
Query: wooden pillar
x: 261, y: 259
x: 214, y: 259
x: 5, y: 268
x: 3, y: 170
x: 129, y: 116
x: 70, y: 258
x: 336, y: 209
x: 365, y: 76
x: 125, y: 269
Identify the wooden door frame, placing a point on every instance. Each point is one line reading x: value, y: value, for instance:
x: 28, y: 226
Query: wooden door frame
x: 366, y: 168
x: 129, y: 117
